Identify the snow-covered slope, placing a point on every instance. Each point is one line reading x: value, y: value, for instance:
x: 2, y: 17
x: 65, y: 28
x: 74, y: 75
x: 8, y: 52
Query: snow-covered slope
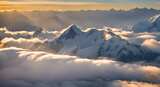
x: 150, y: 25
x: 79, y: 42
x: 93, y: 43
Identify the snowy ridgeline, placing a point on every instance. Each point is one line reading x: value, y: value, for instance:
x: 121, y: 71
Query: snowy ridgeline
x: 150, y: 25
x: 112, y: 42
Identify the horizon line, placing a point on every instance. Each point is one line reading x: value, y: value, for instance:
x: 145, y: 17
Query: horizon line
x: 69, y: 2
x: 77, y: 5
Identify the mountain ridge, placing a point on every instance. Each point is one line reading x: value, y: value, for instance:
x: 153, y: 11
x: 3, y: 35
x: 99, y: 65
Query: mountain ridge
x: 93, y: 43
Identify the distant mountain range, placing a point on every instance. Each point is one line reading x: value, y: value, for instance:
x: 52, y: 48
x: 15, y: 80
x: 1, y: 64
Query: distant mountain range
x: 56, y: 20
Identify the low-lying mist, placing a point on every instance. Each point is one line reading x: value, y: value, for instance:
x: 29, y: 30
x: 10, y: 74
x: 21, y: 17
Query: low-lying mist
x: 23, y: 68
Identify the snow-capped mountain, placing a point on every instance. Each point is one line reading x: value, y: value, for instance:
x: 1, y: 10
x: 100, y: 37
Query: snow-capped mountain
x: 82, y: 43
x: 93, y: 43
x: 150, y: 25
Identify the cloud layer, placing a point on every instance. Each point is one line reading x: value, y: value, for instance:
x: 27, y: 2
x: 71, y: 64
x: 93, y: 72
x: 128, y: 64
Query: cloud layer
x: 22, y: 67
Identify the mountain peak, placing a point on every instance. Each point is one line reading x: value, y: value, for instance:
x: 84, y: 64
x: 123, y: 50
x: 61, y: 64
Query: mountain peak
x: 150, y: 25
x: 70, y: 32
x: 73, y: 26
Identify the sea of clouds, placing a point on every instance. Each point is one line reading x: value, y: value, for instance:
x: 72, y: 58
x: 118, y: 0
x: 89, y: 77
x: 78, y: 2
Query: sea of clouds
x: 25, y: 68
x: 26, y: 61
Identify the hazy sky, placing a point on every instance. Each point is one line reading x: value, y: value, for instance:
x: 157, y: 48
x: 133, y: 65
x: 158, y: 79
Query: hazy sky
x: 117, y: 1
x: 107, y: 4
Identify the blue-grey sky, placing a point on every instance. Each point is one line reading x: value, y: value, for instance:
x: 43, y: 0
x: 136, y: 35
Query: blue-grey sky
x: 137, y: 1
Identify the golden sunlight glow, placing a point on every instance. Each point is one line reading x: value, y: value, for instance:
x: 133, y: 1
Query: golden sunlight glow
x: 62, y: 6
x: 153, y: 72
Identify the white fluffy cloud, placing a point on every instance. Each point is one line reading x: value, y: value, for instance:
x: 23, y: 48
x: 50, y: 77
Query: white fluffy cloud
x: 49, y: 35
x: 135, y: 84
x: 152, y: 44
x: 17, y: 34
x: 32, y: 44
x: 21, y: 67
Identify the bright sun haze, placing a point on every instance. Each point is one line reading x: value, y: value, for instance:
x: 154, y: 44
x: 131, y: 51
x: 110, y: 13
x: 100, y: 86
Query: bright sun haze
x: 29, y: 5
